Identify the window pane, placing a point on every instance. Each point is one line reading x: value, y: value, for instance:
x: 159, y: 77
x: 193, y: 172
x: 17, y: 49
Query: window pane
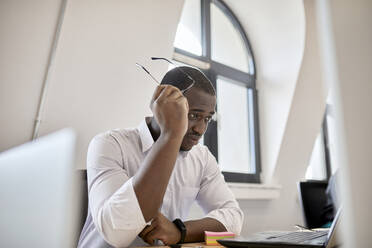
x: 317, y: 167
x: 188, y: 36
x: 227, y: 44
x: 233, y: 126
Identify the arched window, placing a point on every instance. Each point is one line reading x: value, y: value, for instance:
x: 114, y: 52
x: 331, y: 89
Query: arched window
x: 210, y: 37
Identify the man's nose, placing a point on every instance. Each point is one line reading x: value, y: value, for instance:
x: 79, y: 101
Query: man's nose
x: 199, y: 127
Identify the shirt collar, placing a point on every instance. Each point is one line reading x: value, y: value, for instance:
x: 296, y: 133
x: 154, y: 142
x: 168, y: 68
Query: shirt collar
x: 145, y: 135
x: 147, y: 140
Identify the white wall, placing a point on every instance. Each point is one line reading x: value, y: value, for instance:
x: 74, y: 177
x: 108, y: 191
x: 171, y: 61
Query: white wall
x: 26, y: 33
x: 348, y: 60
x: 304, y: 120
x: 95, y: 85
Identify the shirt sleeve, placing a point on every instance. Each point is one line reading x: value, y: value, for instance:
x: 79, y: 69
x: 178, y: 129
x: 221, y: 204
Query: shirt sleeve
x: 217, y: 200
x: 113, y: 203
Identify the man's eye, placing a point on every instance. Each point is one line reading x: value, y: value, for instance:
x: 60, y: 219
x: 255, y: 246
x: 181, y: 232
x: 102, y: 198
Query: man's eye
x: 192, y: 116
x: 208, y: 119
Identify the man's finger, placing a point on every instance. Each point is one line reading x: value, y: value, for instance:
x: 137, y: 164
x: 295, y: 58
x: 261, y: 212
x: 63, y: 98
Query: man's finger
x: 151, y: 236
x: 175, y: 95
x: 183, y: 99
x: 168, y: 91
x: 146, y: 230
x: 157, y: 92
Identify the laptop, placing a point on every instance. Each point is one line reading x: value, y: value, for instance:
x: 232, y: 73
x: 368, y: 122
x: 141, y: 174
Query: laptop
x: 40, y: 193
x: 295, y: 239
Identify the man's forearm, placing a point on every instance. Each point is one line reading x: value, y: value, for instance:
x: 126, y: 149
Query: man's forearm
x: 195, y: 228
x: 150, y: 182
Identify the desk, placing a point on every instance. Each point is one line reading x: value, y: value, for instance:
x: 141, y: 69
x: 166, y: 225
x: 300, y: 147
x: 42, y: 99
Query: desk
x: 195, y: 245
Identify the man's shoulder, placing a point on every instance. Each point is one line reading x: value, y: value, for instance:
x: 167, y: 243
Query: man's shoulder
x: 119, y: 135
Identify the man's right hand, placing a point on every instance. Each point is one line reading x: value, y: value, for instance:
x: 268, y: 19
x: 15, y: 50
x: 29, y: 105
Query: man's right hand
x: 170, y: 109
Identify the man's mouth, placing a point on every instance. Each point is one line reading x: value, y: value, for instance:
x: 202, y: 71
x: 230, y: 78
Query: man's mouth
x: 194, y: 138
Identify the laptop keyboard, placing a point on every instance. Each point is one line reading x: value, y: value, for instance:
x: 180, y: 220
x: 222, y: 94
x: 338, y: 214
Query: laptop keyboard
x: 297, y: 237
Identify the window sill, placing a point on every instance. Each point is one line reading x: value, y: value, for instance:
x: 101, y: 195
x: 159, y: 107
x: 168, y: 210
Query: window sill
x: 252, y: 191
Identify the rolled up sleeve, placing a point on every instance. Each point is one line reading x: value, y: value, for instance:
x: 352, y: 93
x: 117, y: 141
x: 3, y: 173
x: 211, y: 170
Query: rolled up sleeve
x: 113, y: 203
x: 217, y: 200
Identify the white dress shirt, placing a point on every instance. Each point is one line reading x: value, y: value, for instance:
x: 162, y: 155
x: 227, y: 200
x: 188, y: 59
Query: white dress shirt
x: 114, y: 215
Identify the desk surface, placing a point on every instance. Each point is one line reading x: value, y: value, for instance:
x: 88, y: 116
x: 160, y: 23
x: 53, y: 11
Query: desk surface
x: 189, y: 245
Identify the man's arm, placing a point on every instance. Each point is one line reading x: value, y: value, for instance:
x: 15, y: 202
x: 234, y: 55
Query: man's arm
x: 112, y: 202
x: 170, y: 110
x: 215, y: 198
x: 195, y: 229
x: 121, y: 206
x: 163, y: 229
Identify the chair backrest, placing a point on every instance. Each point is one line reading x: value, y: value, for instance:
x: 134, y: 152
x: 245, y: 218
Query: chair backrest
x: 313, y: 200
x: 84, y: 202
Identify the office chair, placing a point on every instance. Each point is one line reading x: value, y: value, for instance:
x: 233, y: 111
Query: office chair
x: 313, y: 201
x: 84, y: 210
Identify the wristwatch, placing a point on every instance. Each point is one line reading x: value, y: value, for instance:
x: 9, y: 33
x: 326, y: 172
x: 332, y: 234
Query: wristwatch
x: 179, y: 224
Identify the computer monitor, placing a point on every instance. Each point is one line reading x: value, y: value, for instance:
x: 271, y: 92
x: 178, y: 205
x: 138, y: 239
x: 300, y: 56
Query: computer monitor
x: 313, y: 200
x: 40, y: 193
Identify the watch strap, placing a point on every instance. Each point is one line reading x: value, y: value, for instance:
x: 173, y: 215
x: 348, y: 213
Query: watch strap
x: 181, y: 226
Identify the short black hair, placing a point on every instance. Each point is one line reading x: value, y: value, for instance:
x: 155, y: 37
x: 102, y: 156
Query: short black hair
x: 178, y: 79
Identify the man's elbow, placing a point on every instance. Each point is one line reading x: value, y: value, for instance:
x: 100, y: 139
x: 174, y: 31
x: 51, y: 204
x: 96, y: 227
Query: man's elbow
x: 231, y: 218
x: 117, y: 241
x: 115, y: 234
x: 239, y: 222
x: 236, y: 221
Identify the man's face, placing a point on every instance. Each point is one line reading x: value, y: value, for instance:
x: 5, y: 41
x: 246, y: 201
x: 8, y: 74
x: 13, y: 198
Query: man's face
x: 201, y: 109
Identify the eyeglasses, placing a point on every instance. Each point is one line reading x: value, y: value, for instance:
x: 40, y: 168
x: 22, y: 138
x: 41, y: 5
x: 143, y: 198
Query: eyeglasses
x: 198, y: 117
x: 175, y: 66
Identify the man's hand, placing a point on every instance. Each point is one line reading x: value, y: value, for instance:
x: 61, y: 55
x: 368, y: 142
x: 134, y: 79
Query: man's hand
x: 170, y: 109
x: 162, y: 229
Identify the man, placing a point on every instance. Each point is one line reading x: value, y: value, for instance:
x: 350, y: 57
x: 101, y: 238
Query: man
x: 142, y: 182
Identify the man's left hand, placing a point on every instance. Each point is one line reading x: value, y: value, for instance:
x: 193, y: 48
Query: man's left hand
x: 162, y: 229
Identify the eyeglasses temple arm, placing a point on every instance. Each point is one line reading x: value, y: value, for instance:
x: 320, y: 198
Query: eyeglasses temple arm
x: 148, y: 72
x: 178, y: 68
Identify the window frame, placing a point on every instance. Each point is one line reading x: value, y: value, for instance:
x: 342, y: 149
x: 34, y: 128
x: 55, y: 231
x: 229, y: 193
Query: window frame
x: 215, y: 69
